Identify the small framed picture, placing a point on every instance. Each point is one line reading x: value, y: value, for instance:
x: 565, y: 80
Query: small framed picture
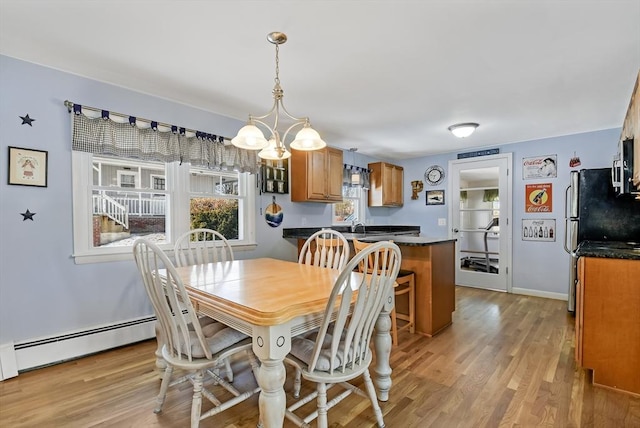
x: 435, y: 197
x: 27, y: 167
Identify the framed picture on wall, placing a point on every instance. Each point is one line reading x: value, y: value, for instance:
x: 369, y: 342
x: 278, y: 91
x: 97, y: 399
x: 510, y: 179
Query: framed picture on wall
x: 27, y: 167
x: 435, y: 197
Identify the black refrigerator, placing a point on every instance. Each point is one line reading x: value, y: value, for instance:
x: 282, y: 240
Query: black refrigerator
x: 593, y: 212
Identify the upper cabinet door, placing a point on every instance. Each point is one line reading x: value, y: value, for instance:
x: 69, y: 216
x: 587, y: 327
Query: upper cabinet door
x: 334, y: 176
x: 386, y: 185
x: 316, y: 176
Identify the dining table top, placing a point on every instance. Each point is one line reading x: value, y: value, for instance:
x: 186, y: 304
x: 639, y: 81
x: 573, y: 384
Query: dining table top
x: 261, y: 291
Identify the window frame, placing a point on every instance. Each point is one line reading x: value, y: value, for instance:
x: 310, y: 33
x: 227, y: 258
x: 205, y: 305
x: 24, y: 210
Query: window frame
x: 152, y: 183
x: 128, y: 173
x: 177, y: 211
x: 361, y: 198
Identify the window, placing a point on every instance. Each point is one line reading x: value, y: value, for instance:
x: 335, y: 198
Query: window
x: 214, y: 202
x: 116, y: 200
x: 352, y: 209
x: 157, y: 182
x: 127, y: 179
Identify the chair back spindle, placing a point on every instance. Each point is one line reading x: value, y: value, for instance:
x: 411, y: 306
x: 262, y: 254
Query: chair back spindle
x: 202, y: 246
x: 325, y: 248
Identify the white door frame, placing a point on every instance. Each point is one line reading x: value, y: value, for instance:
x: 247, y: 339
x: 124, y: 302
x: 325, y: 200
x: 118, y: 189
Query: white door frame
x: 506, y: 215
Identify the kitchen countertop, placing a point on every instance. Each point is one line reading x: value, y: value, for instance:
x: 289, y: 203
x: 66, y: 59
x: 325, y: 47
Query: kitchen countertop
x: 401, y: 235
x: 609, y: 249
x: 305, y: 232
x: 400, y: 240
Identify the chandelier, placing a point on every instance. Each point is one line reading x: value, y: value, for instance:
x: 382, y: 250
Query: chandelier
x: 251, y: 136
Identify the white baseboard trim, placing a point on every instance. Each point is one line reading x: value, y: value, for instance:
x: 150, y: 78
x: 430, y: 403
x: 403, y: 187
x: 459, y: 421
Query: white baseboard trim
x: 47, y: 351
x: 538, y: 293
x: 8, y: 364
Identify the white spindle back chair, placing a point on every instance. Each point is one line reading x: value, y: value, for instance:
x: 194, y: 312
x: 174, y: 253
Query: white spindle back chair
x: 199, y: 246
x: 325, y: 248
x: 189, y: 346
x: 341, y: 349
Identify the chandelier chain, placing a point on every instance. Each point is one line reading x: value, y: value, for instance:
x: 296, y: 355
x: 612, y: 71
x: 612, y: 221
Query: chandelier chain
x: 277, y: 79
x: 253, y: 138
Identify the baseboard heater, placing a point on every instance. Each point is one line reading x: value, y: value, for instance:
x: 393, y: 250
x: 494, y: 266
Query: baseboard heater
x: 56, y: 349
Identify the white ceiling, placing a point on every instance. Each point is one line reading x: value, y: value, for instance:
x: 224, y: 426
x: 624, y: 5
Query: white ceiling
x: 387, y: 77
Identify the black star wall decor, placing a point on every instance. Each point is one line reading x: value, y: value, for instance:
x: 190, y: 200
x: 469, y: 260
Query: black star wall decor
x: 26, y: 120
x: 27, y: 215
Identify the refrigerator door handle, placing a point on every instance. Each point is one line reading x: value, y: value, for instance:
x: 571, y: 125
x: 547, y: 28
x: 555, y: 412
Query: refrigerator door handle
x: 568, y: 224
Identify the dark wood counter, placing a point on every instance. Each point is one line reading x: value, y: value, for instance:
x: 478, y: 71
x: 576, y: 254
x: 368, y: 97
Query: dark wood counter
x: 433, y: 265
x: 432, y: 260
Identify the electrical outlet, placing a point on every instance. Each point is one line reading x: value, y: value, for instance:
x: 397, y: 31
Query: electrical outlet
x: 442, y: 222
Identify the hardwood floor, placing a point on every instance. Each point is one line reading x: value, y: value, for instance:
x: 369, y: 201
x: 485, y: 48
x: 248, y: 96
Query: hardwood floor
x: 507, y: 360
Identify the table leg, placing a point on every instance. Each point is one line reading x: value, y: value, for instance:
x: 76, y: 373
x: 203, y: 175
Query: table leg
x: 272, y: 400
x: 271, y: 345
x: 382, y: 345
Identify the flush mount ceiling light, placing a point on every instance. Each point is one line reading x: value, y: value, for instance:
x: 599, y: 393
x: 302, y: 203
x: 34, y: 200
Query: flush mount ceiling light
x: 462, y: 130
x: 251, y: 136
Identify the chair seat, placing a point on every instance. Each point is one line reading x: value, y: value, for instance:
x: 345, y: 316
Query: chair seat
x: 302, y: 348
x: 350, y: 372
x: 217, y: 336
x: 404, y: 272
x: 205, y: 363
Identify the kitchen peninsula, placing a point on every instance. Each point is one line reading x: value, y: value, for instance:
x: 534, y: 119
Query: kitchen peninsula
x: 608, y: 313
x: 431, y: 259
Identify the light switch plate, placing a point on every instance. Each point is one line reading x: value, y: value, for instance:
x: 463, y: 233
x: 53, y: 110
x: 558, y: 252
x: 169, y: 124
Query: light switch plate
x: 442, y: 222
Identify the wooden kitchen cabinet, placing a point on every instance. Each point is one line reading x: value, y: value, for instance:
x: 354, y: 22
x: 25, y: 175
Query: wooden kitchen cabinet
x: 316, y: 176
x: 434, y: 268
x: 386, y: 185
x: 631, y: 129
x: 608, y: 321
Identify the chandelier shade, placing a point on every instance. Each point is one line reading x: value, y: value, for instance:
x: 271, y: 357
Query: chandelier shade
x: 271, y: 152
x: 252, y: 136
x: 308, y: 139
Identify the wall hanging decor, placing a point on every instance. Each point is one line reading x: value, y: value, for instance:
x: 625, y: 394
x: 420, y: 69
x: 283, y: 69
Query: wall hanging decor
x: 538, y: 230
x: 574, y: 161
x: 434, y: 175
x: 538, y: 198
x: 27, y: 215
x: 26, y: 120
x: 539, y: 167
x: 275, y: 176
x: 273, y: 215
x: 435, y: 197
x: 416, y: 188
x: 27, y: 167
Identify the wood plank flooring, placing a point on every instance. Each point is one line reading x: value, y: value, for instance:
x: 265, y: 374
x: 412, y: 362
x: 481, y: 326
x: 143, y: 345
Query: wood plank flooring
x: 507, y: 360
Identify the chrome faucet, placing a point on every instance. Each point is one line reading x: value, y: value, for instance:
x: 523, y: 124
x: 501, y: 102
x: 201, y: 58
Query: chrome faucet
x: 354, y: 226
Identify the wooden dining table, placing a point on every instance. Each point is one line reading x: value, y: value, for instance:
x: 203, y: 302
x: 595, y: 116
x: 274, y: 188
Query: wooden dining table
x: 272, y: 301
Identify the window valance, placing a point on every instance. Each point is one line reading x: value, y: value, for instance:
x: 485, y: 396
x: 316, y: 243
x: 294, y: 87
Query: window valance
x: 355, y: 176
x: 148, y: 140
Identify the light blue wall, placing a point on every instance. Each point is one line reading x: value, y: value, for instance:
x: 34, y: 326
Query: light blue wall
x: 540, y: 266
x: 42, y: 291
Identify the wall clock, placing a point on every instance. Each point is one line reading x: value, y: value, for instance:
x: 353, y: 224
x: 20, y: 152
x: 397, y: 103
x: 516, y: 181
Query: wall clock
x: 434, y: 175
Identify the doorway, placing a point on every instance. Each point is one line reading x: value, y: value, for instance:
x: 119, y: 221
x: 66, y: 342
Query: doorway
x: 480, y: 219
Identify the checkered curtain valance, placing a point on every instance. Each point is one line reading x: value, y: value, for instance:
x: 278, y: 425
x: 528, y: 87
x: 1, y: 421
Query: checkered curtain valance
x: 104, y: 136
